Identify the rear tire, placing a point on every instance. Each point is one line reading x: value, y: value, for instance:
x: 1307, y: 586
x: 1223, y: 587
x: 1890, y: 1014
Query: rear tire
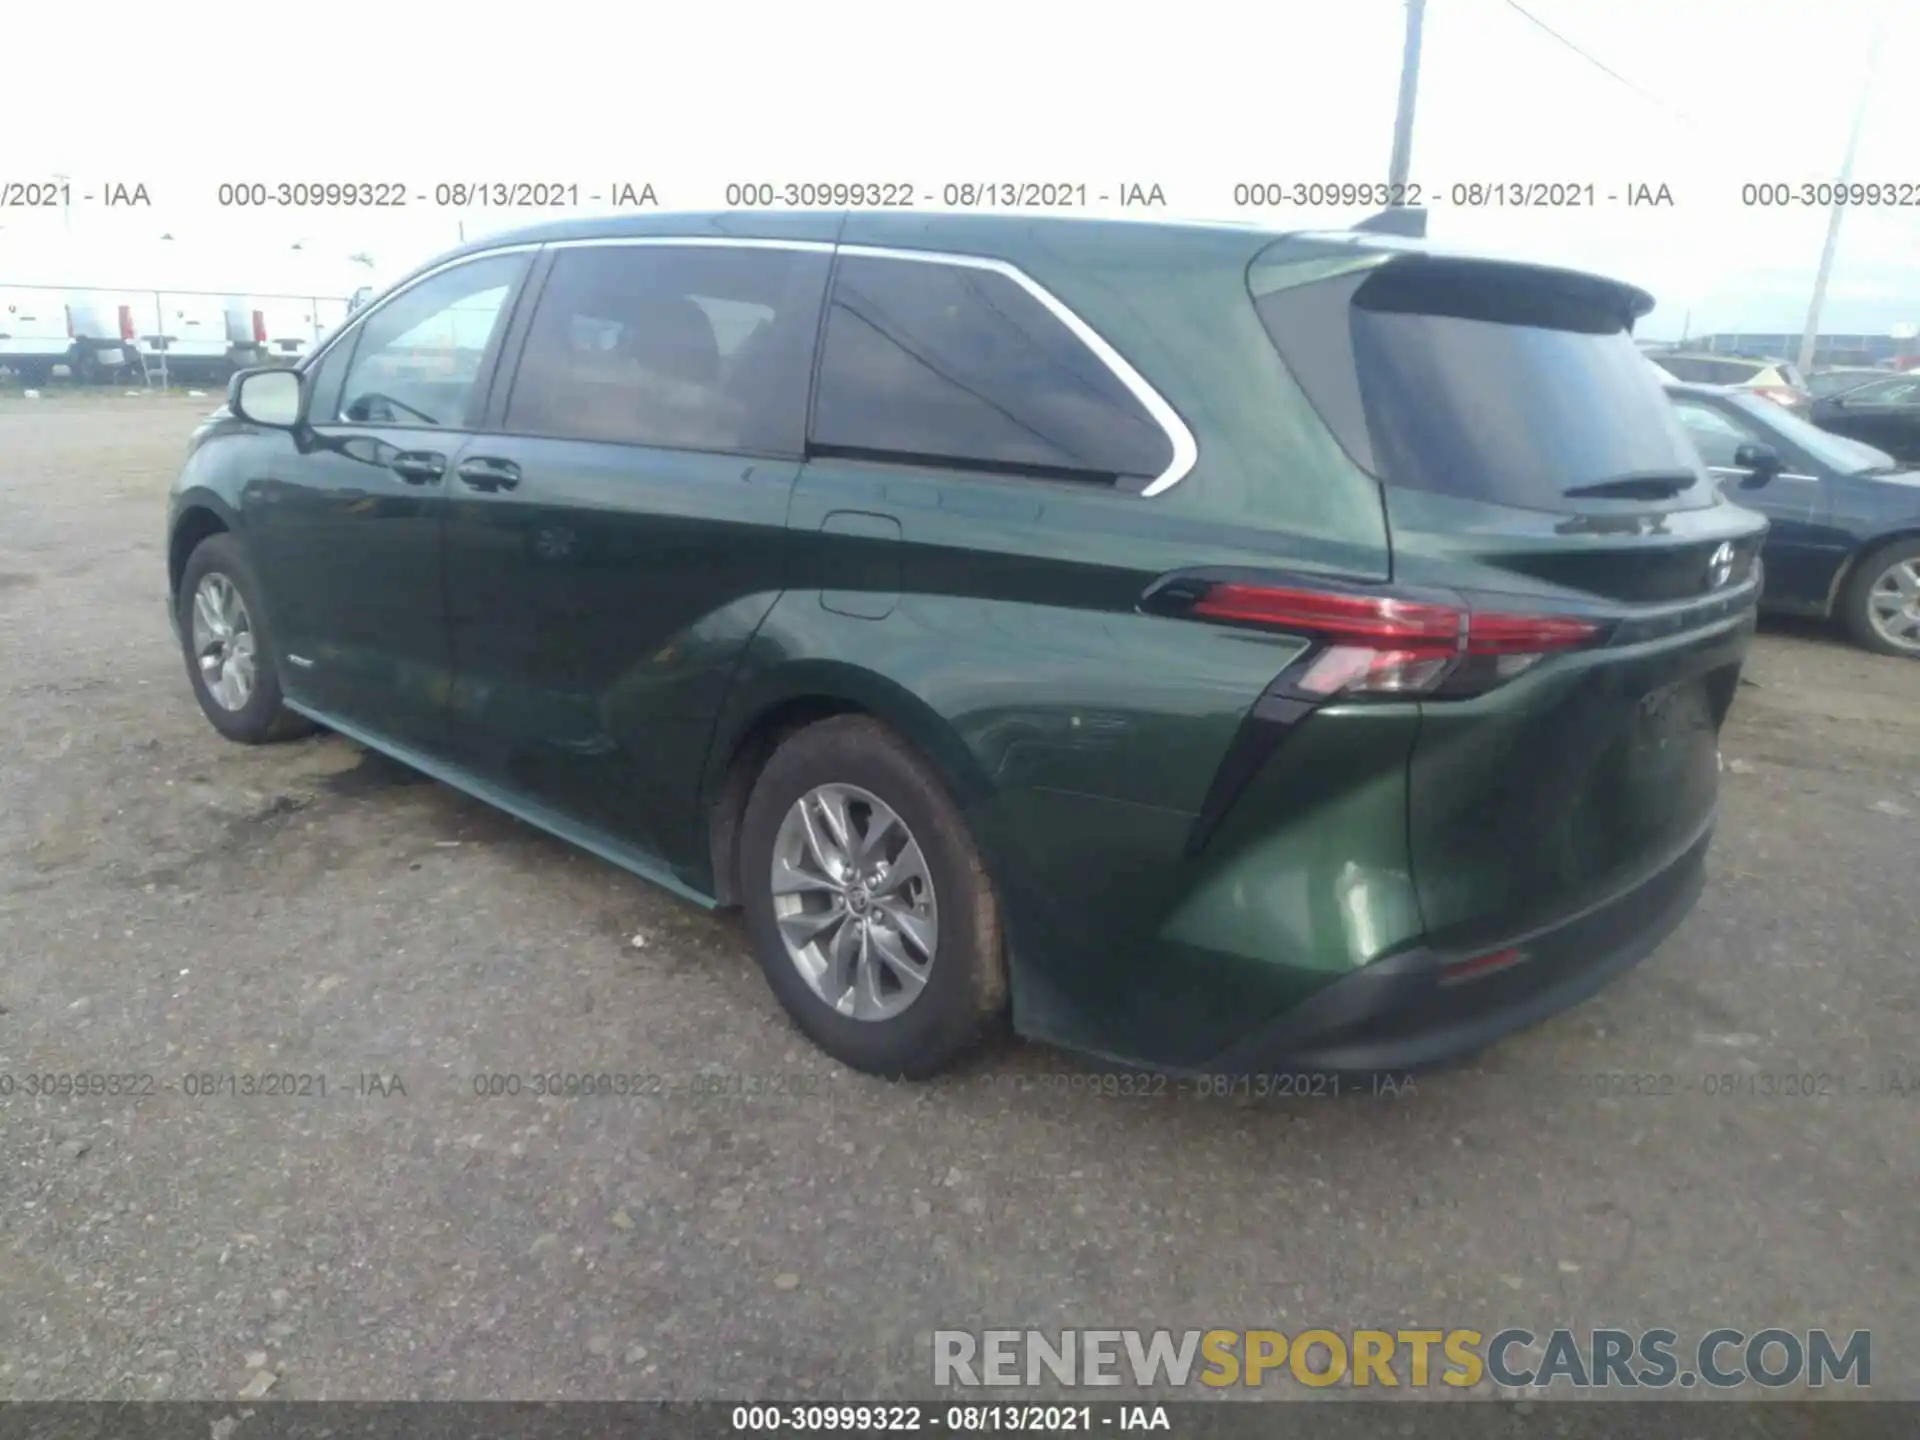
x: 894, y: 1016
x: 1880, y: 605
x: 231, y: 660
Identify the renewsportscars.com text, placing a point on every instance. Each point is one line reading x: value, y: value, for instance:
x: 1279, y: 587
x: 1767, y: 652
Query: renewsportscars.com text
x: 1656, y: 1359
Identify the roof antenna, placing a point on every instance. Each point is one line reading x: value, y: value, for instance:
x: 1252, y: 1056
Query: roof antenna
x: 1408, y: 220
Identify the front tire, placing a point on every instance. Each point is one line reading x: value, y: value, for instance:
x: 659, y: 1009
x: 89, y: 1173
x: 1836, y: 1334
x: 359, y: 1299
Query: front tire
x: 869, y: 905
x: 231, y: 661
x: 1881, y: 603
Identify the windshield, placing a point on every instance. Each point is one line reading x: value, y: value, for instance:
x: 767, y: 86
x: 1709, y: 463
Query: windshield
x: 1836, y: 452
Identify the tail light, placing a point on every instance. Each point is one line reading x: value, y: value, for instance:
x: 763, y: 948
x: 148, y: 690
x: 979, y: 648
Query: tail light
x: 1367, y: 643
x: 1782, y: 395
x: 259, y: 328
x: 126, y: 322
x: 1461, y: 971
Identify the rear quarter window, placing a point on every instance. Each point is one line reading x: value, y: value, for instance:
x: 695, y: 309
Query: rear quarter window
x: 941, y: 363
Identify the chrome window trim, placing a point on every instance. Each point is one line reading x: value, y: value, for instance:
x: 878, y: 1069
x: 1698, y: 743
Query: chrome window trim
x: 711, y: 242
x: 1186, y: 450
x: 1778, y: 474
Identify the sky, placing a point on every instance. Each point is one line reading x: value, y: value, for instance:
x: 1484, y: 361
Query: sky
x: 1703, y: 97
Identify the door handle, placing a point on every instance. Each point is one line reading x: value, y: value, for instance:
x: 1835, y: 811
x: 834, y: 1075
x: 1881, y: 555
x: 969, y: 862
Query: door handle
x: 418, y: 467
x: 485, y: 473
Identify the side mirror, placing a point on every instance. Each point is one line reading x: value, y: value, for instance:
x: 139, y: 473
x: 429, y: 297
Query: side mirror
x: 1761, y: 462
x: 274, y: 398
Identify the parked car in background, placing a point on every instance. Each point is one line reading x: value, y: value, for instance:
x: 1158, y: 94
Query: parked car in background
x: 1776, y: 380
x: 1835, y: 379
x: 1844, y: 537
x: 962, y: 597
x: 1884, y: 413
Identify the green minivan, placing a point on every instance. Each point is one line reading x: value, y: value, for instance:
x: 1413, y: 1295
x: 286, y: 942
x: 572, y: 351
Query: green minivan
x: 1211, y: 649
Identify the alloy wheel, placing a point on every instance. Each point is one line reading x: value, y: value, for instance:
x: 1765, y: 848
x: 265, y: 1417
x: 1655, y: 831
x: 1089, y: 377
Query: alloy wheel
x: 223, y: 641
x: 1893, y: 605
x: 854, y: 902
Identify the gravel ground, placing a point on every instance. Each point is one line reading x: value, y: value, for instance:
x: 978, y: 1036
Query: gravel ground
x: 173, y: 905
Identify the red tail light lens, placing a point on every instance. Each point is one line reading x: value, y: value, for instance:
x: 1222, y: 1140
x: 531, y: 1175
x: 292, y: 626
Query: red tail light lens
x: 259, y: 328
x: 1386, y: 645
x: 1462, y: 971
x: 126, y: 322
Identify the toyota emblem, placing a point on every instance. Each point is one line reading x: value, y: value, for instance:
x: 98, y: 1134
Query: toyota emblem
x: 1720, y: 567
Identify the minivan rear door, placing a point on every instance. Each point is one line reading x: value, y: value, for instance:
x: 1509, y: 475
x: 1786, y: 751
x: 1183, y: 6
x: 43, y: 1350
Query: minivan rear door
x: 1529, y: 461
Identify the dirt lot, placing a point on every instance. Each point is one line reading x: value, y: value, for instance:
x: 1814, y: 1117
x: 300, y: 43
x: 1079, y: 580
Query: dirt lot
x: 172, y: 905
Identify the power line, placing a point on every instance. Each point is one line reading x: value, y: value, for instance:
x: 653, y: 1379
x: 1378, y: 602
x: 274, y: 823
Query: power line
x: 1600, y: 65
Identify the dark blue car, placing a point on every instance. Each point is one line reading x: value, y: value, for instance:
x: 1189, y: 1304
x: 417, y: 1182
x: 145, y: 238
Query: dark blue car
x: 1845, y: 536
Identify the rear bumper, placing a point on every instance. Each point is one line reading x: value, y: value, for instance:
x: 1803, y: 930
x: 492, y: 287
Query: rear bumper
x: 1400, y: 1014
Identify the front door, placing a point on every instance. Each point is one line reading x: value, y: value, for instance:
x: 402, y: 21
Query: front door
x: 345, y: 526
x: 618, y: 534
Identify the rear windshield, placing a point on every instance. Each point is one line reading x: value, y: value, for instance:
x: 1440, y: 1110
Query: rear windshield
x: 1701, y: 370
x: 1489, y: 383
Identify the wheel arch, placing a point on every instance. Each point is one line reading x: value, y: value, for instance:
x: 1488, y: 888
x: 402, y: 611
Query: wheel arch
x: 774, y: 704
x: 198, y: 515
x: 1849, y: 567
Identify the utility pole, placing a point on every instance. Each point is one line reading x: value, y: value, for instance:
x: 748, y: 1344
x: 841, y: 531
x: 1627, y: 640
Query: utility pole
x: 1409, y: 86
x: 1810, y: 337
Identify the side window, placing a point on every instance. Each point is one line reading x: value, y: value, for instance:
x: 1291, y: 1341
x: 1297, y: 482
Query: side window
x: 956, y: 364
x: 1714, y: 435
x: 695, y: 347
x: 323, y: 381
x: 418, y: 359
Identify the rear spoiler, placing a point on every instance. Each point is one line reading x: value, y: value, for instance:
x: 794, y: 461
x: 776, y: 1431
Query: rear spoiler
x: 1408, y: 220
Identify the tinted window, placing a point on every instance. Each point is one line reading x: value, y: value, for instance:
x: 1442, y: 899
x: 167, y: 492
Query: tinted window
x: 1715, y: 435
x: 418, y: 360
x: 693, y: 348
x: 1480, y: 381
x: 1837, y: 382
x: 963, y: 365
x: 1886, y: 392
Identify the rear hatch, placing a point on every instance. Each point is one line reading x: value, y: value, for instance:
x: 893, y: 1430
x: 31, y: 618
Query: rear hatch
x: 1535, y: 479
